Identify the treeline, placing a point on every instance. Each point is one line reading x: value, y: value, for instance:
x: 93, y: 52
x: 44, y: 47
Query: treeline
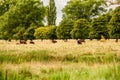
x: 89, y: 19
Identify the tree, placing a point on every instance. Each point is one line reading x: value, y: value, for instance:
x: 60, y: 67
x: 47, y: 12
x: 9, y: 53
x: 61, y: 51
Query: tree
x: 81, y: 29
x: 100, y: 27
x: 64, y: 29
x: 87, y: 9
x: 51, y: 34
x: 29, y: 33
x: 48, y: 32
x: 19, y: 17
x: 5, y: 5
x: 51, y: 17
x: 41, y: 33
x: 115, y: 22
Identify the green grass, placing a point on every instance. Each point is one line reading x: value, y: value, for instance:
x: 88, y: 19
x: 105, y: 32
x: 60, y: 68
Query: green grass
x: 92, y: 60
x: 43, y: 55
x: 101, y: 73
x: 11, y: 57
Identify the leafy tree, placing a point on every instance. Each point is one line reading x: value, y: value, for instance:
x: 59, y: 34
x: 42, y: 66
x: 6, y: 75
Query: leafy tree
x: 51, y: 34
x: 81, y: 29
x: 20, y: 31
x: 87, y: 9
x: 29, y: 33
x: 48, y: 32
x: 18, y: 19
x: 51, y: 13
x: 64, y: 29
x: 5, y: 5
x: 100, y: 27
x: 115, y: 22
x: 41, y: 33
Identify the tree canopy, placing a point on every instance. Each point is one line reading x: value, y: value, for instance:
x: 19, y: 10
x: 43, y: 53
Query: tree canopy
x: 99, y: 27
x: 20, y: 16
x: 87, y: 9
x: 81, y: 29
x: 115, y: 22
x: 64, y: 29
x: 25, y: 19
x: 51, y: 13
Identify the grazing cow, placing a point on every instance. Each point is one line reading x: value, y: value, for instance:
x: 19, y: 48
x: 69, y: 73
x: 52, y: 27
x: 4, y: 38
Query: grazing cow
x: 31, y: 42
x: 79, y: 41
x: 54, y: 41
x: 23, y: 42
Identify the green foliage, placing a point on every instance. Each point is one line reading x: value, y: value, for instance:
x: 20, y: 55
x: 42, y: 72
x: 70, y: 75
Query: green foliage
x: 21, y: 16
x: 64, y: 29
x: 115, y: 22
x: 81, y: 29
x: 51, y: 34
x: 100, y: 27
x: 29, y: 33
x: 5, y: 5
x: 41, y: 33
x: 76, y: 9
x: 48, y: 32
x: 51, y: 13
x: 19, y: 32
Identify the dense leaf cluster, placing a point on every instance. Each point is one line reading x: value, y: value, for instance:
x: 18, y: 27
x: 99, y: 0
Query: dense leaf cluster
x: 24, y: 19
x: 21, y: 18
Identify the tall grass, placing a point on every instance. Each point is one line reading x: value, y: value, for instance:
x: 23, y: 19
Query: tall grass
x: 43, y: 55
x: 92, y: 60
x: 39, y: 55
x: 86, y: 73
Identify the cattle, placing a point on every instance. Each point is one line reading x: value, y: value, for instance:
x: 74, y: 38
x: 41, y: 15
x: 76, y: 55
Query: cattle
x: 31, y: 42
x: 23, y: 42
x: 79, y: 41
x: 54, y: 41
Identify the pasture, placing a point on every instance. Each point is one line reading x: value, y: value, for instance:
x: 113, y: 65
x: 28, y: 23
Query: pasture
x: 44, y: 60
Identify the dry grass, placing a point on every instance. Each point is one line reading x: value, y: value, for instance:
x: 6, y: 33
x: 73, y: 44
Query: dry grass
x: 63, y: 49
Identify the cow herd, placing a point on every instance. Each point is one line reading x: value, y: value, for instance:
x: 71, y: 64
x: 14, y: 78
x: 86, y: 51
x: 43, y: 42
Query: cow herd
x: 25, y: 42
x: 79, y: 41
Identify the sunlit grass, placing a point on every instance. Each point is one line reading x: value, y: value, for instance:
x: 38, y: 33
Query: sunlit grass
x: 93, y: 60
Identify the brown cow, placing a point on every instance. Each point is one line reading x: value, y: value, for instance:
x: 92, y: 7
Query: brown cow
x: 54, y: 41
x: 31, y: 42
x: 79, y: 41
x: 23, y: 42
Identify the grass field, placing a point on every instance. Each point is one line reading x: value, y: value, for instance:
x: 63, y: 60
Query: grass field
x: 93, y: 60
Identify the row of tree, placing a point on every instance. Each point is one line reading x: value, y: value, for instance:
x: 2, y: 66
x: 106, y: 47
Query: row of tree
x: 24, y: 19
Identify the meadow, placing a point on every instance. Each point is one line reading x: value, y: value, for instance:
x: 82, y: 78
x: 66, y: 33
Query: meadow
x: 44, y: 60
